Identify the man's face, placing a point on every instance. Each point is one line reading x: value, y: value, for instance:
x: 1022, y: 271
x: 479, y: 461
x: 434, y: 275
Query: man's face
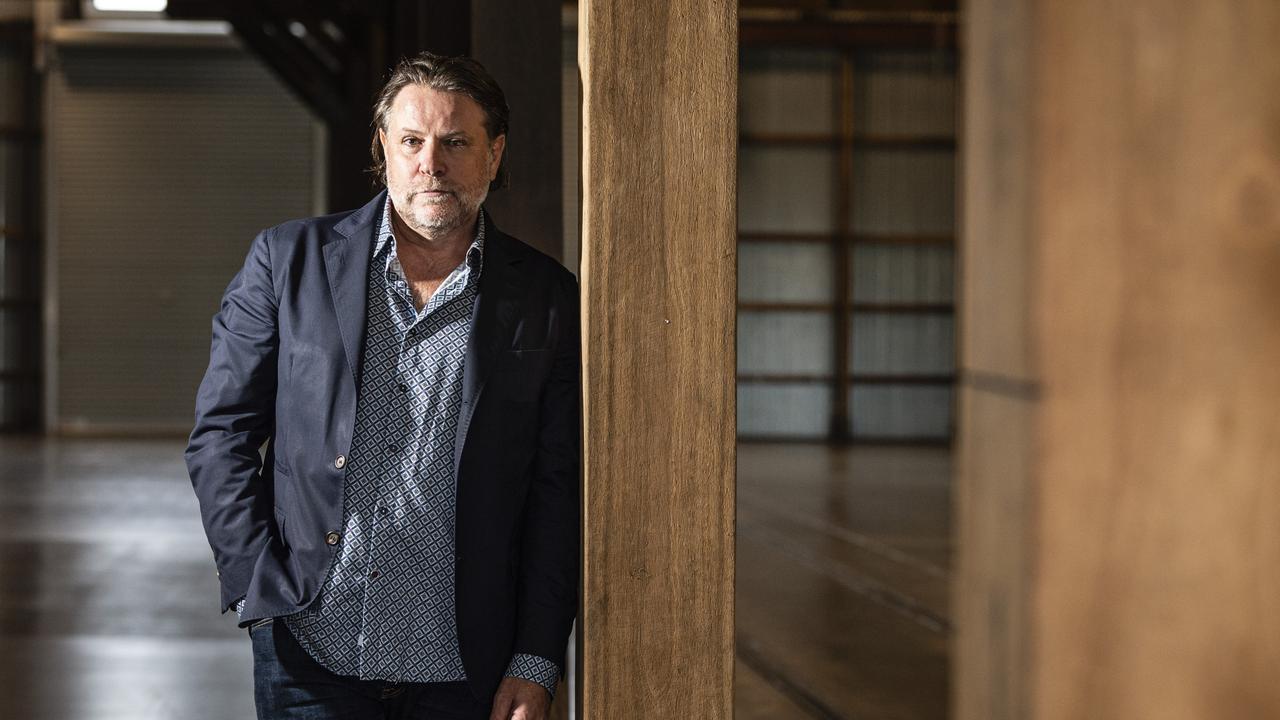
x: 439, y: 158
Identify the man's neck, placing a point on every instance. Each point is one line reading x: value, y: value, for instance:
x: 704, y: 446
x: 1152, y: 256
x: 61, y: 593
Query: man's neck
x: 428, y: 260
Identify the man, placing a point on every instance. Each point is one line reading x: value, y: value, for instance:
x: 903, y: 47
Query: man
x: 408, y: 545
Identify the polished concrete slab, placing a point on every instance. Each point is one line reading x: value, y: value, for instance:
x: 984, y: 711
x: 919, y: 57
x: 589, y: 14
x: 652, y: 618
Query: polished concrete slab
x: 842, y: 591
x: 108, y: 596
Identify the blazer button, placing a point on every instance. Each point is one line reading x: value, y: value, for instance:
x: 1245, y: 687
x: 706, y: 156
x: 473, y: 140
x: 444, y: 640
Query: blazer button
x: 332, y: 538
x: 340, y: 461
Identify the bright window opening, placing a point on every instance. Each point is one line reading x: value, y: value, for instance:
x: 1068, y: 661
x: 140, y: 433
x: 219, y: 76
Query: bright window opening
x: 130, y: 5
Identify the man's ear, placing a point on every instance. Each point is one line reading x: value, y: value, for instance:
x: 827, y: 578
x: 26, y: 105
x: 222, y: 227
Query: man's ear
x: 495, y: 148
x: 382, y: 138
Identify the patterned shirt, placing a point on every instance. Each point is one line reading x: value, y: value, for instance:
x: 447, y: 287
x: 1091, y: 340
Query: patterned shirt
x: 386, y: 609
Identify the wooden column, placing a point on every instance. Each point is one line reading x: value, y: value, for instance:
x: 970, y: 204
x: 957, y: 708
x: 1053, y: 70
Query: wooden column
x: 659, y: 141
x: 1120, y: 434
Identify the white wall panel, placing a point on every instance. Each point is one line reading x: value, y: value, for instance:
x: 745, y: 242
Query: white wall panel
x: 896, y: 190
x: 791, y: 411
x: 901, y: 411
x: 902, y: 273
x: 883, y: 343
x: 786, y: 189
x: 785, y: 272
x: 784, y: 342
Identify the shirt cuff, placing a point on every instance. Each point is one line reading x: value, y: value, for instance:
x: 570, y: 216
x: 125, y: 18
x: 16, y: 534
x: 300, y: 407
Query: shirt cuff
x: 535, y: 669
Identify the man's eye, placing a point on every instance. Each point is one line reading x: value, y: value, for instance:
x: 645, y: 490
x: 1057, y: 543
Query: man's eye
x: 410, y: 141
x: 455, y: 142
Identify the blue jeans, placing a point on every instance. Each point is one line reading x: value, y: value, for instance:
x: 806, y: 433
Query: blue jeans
x: 289, y: 685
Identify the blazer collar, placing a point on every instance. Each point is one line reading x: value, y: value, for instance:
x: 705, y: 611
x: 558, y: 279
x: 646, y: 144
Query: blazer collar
x: 347, y: 252
x: 361, y: 222
x: 501, y: 287
x: 492, y: 322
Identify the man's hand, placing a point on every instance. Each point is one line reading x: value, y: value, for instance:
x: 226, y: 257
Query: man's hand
x: 519, y: 699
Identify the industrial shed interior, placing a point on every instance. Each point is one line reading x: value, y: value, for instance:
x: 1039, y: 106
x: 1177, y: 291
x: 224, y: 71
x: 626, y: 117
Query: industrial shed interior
x: 1001, y: 409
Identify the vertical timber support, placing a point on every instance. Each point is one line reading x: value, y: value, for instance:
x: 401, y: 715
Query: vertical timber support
x: 1119, y: 464
x: 659, y: 144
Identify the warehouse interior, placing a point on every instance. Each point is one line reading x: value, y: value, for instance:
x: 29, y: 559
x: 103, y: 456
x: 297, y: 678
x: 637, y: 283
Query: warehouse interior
x: 906, y: 328
x: 165, y: 149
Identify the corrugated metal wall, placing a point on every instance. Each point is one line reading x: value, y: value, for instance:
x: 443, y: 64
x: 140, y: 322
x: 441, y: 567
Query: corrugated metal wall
x: 165, y: 162
x: 785, y: 189
x: 903, y: 191
x: 902, y: 212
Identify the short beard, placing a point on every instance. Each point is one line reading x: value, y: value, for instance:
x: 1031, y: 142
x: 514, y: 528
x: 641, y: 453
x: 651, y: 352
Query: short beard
x: 434, y: 224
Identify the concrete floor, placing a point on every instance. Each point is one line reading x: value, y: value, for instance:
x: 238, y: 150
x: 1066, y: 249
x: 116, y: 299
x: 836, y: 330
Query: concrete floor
x: 108, y: 596
x: 843, y: 558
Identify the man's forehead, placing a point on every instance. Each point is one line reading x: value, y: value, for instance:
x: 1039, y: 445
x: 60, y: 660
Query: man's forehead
x: 419, y: 102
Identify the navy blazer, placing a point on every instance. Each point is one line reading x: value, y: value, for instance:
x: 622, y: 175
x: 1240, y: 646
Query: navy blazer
x: 283, y: 371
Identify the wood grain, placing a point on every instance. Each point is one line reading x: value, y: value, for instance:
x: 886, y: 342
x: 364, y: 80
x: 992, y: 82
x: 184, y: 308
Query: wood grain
x: 659, y: 140
x: 1159, y: 562
x: 1120, y: 440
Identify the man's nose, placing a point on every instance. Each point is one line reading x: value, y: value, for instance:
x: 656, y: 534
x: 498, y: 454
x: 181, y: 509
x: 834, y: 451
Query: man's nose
x: 431, y: 161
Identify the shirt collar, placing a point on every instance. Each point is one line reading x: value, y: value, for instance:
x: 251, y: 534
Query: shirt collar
x: 385, y: 237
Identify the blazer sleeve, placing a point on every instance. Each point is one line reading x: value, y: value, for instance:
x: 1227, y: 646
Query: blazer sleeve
x: 548, y: 587
x: 235, y: 408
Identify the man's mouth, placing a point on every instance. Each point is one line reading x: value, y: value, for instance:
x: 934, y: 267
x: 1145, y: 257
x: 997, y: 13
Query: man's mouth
x: 433, y: 193
x: 434, y: 197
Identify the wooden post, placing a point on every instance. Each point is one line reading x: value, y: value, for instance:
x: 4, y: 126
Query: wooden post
x: 659, y: 143
x: 1120, y: 432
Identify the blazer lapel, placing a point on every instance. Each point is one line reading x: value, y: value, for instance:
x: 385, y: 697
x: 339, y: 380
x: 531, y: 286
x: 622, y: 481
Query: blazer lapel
x: 346, y: 262
x: 492, y: 321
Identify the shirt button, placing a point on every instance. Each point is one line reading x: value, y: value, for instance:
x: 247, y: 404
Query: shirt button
x: 332, y: 538
x: 340, y: 461
x: 374, y: 575
x: 404, y: 388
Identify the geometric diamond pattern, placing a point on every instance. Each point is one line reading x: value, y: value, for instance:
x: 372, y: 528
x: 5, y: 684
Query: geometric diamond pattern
x: 386, y: 609
x: 535, y: 669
